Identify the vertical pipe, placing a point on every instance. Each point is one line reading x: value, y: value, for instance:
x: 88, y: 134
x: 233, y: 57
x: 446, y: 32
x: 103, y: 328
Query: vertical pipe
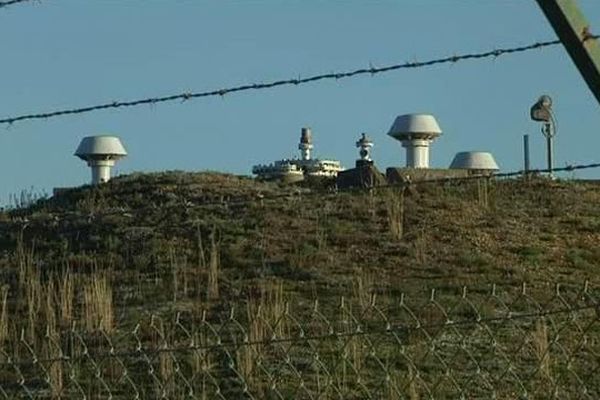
x: 417, y: 153
x: 526, y: 166
x: 100, y: 170
x: 550, y: 155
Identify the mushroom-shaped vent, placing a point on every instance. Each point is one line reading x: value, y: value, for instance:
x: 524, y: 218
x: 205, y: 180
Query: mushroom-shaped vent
x: 413, y: 126
x: 106, y: 147
x: 474, y: 160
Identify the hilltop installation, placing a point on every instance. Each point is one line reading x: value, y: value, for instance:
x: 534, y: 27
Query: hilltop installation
x: 296, y: 169
x: 415, y: 131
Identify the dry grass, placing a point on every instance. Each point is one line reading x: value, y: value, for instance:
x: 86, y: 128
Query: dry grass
x: 178, y: 264
x: 362, y: 287
x: 482, y: 192
x: 394, y: 201
x: 98, y: 304
x: 266, y: 320
x: 397, y: 244
x: 214, y: 265
x: 52, y: 342
x: 33, y: 295
x: 30, y: 287
x: 66, y: 295
x: 541, y: 347
x: 4, y: 317
x: 320, y: 227
x: 203, y: 363
x: 413, y: 391
x: 166, y: 366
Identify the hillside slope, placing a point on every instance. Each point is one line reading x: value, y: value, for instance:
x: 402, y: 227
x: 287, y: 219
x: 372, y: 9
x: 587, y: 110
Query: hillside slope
x: 205, y: 285
x: 143, y: 226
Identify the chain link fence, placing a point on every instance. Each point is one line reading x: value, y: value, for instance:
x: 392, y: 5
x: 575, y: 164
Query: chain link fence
x: 481, y: 344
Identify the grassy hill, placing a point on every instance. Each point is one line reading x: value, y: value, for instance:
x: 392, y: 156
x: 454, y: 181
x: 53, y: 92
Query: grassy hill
x: 167, y: 243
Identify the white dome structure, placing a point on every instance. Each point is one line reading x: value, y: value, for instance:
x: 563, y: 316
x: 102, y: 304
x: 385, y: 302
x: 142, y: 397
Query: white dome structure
x: 476, y: 161
x: 416, y: 132
x: 100, y: 153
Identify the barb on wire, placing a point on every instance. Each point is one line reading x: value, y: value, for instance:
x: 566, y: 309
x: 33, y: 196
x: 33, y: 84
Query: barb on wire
x: 7, y: 3
x: 287, y: 82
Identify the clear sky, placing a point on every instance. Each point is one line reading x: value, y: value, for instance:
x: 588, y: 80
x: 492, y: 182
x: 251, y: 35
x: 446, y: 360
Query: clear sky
x: 70, y: 53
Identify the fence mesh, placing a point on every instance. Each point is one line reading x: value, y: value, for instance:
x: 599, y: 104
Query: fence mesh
x: 498, y: 344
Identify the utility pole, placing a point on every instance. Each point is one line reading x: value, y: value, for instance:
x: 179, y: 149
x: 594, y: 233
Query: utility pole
x: 574, y: 32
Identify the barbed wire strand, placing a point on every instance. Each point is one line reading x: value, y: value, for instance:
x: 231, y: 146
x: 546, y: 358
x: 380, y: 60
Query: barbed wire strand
x: 12, y: 2
x: 289, y: 82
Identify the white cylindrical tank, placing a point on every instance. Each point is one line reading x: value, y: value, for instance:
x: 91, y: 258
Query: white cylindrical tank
x: 100, y: 153
x: 415, y: 132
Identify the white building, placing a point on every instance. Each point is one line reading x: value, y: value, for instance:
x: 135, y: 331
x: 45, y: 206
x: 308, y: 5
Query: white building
x: 293, y: 170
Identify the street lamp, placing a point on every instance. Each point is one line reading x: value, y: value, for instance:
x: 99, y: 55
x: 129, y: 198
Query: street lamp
x: 541, y: 111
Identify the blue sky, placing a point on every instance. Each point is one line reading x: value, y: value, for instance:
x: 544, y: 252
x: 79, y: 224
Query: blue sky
x: 70, y: 53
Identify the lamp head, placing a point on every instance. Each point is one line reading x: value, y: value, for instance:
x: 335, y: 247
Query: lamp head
x: 542, y: 109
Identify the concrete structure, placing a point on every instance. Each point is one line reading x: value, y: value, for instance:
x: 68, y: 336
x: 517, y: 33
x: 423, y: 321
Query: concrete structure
x: 297, y: 169
x: 415, y: 132
x: 476, y: 162
x: 280, y: 170
x: 100, y: 153
x: 363, y: 176
x: 407, y: 175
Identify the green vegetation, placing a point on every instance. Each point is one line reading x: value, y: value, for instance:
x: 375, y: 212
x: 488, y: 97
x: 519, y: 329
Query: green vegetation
x: 102, y: 258
x: 187, y: 239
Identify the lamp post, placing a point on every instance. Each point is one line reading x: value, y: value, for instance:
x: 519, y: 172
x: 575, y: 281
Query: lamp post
x: 541, y: 111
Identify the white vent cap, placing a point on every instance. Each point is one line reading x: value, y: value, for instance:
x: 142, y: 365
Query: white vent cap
x: 475, y: 160
x: 100, y: 146
x: 411, y: 124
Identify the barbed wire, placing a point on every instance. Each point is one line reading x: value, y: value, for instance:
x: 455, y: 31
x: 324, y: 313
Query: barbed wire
x: 7, y: 3
x: 288, y: 82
